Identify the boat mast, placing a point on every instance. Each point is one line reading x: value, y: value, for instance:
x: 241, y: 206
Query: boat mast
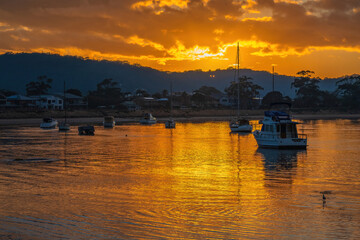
x: 65, y: 101
x: 171, y: 96
x: 238, y: 78
x: 273, y: 78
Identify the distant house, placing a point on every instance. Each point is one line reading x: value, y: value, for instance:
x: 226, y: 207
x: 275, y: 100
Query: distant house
x: 21, y: 101
x: 49, y: 102
x: 131, y: 106
x: 73, y: 101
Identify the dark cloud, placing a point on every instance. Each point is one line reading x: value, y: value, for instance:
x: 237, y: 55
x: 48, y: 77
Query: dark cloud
x: 153, y: 28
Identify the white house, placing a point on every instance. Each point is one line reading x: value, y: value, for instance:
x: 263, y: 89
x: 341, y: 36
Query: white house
x: 21, y: 101
x: 49, y: 102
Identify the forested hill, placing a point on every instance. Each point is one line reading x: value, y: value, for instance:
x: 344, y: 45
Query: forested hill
x: 16, y: 70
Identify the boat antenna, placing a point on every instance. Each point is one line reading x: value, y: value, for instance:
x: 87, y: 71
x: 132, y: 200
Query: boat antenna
x: 171, y: 96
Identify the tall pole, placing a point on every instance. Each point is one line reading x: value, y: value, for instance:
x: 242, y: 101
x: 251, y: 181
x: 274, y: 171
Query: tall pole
x: 273, y: 78
x: 238, y: 78
x: 171, y: 96
x: 65, y: 101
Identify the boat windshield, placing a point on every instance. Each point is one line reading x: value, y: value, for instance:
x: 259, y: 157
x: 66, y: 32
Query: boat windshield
x: 47, y: 120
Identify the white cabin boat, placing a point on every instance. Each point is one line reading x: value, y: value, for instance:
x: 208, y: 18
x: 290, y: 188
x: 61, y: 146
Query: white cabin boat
x: 48, y: 123
x: 148, y: 119
x: 63, y: 126
x: 241, y: 125
x: 279, y: 131
x: 109, y: 122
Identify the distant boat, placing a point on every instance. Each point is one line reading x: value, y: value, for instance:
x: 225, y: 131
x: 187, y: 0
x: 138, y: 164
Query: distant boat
x: 279, y: 131
x: 109, y: 122
x: 171, y: 122
x: 86, y: 130
x: 48, y: 123
x: 63, y: 126
x: 148, y: 119
x: 239, y: 124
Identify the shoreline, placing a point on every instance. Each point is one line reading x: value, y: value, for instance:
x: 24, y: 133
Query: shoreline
x: 191, y: 119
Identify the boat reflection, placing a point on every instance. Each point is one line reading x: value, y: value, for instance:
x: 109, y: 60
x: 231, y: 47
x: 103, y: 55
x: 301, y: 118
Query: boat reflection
x: 280, y: 165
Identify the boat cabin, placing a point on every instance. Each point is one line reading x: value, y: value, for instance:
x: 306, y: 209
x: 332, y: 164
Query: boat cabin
x: 279, y: 123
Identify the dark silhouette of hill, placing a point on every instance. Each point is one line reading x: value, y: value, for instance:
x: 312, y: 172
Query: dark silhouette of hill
x: 84, y: 74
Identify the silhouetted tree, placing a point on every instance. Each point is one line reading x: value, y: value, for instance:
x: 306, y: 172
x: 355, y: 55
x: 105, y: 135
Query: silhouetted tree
x: 272, y: 97
x: 307, y: 90
x: 248, y: 91
x: 328, y: 100
x: 165, y: 93
x: 157, y: 95
x: 107, y: 93
x: 349, y: 91
x: 208, y: 91
x: 142, y: 93
x: 41, y: 86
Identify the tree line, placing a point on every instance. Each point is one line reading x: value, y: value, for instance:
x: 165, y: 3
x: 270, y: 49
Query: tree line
x: 308, y: 93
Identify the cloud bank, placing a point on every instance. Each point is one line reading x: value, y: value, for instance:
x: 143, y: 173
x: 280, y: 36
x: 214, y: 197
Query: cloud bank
x: 180, y: 35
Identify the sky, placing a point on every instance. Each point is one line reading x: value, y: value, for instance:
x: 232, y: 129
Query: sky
x: 173, y: 35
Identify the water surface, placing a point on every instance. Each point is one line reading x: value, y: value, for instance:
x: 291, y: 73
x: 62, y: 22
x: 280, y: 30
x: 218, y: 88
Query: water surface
x: 193, y: 182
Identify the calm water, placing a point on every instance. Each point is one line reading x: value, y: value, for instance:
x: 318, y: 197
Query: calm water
x: 194, y: 182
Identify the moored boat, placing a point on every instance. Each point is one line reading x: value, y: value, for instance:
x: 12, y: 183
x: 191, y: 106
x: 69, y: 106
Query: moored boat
x: 279, y: 131
x: 86, y: 130
x: 170, y: 123
x: 148, y: 119
x: 64, y: 126
x: 241, y: 125
x: 109, y: 122
x: 48, y: 123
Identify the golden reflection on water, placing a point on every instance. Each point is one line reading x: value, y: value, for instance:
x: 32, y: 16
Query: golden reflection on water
x: 195, y: 181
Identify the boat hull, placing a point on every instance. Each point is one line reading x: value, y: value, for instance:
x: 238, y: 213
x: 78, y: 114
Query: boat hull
x: 64, y: 127
x: 280, y: 143
x: 147, y: 122
x: 240, y: 128
x: 86, y: 130
x: 51, y: 125
x: 109, y: 124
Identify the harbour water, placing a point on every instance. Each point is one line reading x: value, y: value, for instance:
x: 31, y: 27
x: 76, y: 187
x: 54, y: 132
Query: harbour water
x: 193, y: 182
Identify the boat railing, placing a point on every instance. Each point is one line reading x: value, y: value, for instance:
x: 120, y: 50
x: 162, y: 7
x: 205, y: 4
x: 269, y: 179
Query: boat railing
x: 256, y: 126
x: 302, y: 136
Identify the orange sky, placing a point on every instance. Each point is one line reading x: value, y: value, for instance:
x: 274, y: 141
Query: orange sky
x: 174, y: 35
